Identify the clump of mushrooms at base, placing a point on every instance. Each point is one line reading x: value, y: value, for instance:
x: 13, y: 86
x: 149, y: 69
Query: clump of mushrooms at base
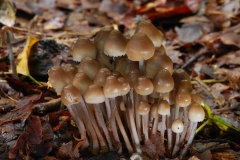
x: 125, y: 90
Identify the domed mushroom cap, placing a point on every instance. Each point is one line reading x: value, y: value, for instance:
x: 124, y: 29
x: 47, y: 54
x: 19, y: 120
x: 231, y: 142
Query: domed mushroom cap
x: 139, y: 47
x: 89, y: 66
x: 154, y: 110
x: 185, y: 85
x: 58, y: 78
x: 125, y: 65
x: 101, y: 76
x: 143, y: 86
x: 125, y: 85
x: 81, y: 81
x: 101, y: 36
x: 71, y: 70
x: 163, y: 81
x: 116, y: 74
x: 112, y: 88
x: 104, y: 60
x: 70, y: 95
x: 183, y: 98
x: 83, y: 48
x: 132, y: 77
x: 163, y: 108
x: 94, y: 94
x: 177, y: 126
x: 196, y: 97
x: 115, y: 44
x: 196, y: 113
x: 143, y: 107
x: 157, y: 61
x: 179, y: 75
x: 151, y: 31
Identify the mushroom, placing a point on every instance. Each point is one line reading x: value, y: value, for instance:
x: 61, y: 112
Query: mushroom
x: 140, y: 48
x: 183, y: 99
x: 71, y: 70
x: 89, y: 66
x: 101, y: 37
x: 177, y: 127
x: 125, y: 65
x: 83, y: 48
x: 104, y: 60
x: 81, y: 81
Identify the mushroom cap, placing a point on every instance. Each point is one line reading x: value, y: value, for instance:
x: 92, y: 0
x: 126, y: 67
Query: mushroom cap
x: 81, y: 81
x: 132, y: 77
x: 101, y: 76
x: 151, y: 31
x: 179, y: 75
x: 104, y: 60
x: 70, y: 95
x: 163, y: 81
x: 71, y: 70
x: 115, y: 44
x: 163, y: 108
x: 112, y: 88
x: 125, y: 85
x: 139, y: 47
x: 143, y: 86
x: 185, y: 85
x: 89, y: 66
x: 143, y: 107
x: 177, y: 126
x: 83, y: 48
x: 196, y: 97
x: 154, y: 110
x: 58, y: 78
x: 196, y: 113
x: 157, y: 61
x: 183, y: 98
x: 94, y: 94
x: 125, y: 65
x: 116, y: 74
x: 101, y: 36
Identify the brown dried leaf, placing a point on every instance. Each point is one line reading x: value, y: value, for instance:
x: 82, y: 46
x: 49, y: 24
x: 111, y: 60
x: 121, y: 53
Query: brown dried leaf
x: 67, y: 151
x: 217, y: 88
x: 231, y: 39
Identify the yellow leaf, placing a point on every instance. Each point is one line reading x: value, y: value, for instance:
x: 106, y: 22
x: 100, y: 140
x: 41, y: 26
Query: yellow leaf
x: 22, y: 67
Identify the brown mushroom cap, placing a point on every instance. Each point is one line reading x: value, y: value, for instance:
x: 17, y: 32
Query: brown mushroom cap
x: 196, y: 113
x: 132, y: 77
x: 115, y: 44
x: 71, y: 70
x: 112, y: 88
x: 101, y: 76
x: 185, y: 85
x: 83, y: 48
x: 58, y: 78
x: 151, y: 31
x: 177, y: 126
x: 116, y: 74
x: 183, y: 98
x: 143, y: 86
x: 125, y: 85
x: 104, y: 60
x: 81, y: 81
x: 89, y: 66
x: 94, y: 94
x: 143, y: 107
x: 154, y: 110
x: 125, y: 65
x: 163, y: 108
x: 70, y: 95
x: 163, y: 81
x: 101, y: 36
x: 196, y: 97
x: 179, y: 75
x: 139, y: 47
x: 157, y: 61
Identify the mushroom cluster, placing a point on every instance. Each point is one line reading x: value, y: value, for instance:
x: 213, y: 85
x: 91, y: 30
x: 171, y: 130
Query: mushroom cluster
x: 127, y: 89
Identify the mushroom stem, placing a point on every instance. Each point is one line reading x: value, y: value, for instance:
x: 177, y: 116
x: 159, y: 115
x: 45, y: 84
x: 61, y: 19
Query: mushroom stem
x: 163, y: 127
x: 108, y: 108
x: 101, y: 123
x: 185, y: 110
x: 145, y: 122
x: 176, y: 146
x: 137, y: 117
x: 123, y: 132
x: 155, y: 124
x: 112, y: 119
x: 189, y: 141
x: 176, y: 114
x: 142, y: 66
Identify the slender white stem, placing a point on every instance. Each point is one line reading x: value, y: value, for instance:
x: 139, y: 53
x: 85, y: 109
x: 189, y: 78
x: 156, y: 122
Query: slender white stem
x: 175, y: 148
x: 176, y: 112
x: 185, y: 110
x: 169, y: 131
x: 155, y: 124
x: 163, y: 126
x: 113, y: 121
x: 108, y: 108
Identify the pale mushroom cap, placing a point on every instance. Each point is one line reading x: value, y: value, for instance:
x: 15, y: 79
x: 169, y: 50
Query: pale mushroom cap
x: 163, y: 108
x: 58, y: 78
x: 101, y: 76
x: 125, y: 85
x: 89, y: 66
x: 163, y: 81
x: 83, y: 48
x: 196, y: 113
x: 70, y: 95
x: 112, y: 88
x: 139, y: 47
x: 81, y: 81
x: 177, y: 126
x: 151, y: 31
x: 94, y: 94
x: 143, y: 86
x: 143, y: 107
x: 183, y: 98
x: 115, y: 44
